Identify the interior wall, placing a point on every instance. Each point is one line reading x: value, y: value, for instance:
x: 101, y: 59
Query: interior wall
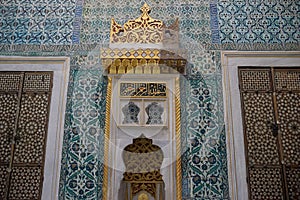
x: 79, y: 29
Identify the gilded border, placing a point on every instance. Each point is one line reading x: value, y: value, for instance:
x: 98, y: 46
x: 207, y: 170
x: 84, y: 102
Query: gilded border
x: 106, y: 139
x: 178, y: 140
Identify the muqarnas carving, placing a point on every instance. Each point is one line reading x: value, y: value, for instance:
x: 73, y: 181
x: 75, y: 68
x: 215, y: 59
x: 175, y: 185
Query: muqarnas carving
x: 130, y: 112
x: 154, y: 112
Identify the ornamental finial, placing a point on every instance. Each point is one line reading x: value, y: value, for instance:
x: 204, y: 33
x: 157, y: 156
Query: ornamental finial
x: 145, y: 9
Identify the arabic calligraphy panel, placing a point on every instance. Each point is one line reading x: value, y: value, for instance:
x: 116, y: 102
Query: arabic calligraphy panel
x: 141, y: 89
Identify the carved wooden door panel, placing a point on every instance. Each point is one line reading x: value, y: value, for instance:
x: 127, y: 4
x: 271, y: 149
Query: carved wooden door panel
x: 271, y: 115
x: 24, y: 109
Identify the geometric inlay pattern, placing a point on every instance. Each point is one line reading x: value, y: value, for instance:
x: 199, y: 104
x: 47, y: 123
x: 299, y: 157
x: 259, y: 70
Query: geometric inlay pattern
x: 265, y: 183
x: 272, y: 133
x: 23, y: 128
x: 10, y: 81
x: 33, y: 129
x: 255, y: 80
x: 37, y: 82
x: 259, y: 21
x: 287, y: 80
x: 262, y: 145
x: 3, y: 181
x: 25, y: 183
x: 36, y: 22
x: 8, y: 109
x: 293, y: 183
x: 289, y: 118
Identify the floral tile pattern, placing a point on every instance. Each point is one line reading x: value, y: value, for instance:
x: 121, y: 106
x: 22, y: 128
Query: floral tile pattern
x: 258, y: 21
x: 204, y: 140
x: 204, y: 62
x: 82, y: 164
x: 36, y: 22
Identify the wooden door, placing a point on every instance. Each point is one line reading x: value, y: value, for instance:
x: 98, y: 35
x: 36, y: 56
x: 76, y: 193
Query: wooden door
x: 271, y: 116
x: 24, y: 109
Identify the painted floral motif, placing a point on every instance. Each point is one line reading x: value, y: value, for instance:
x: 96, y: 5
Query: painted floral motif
x: 204, y: 146
x: 82, y: 163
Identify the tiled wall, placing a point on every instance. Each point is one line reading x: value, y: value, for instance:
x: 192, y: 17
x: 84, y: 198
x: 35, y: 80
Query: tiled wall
x: 79, y: 28
x: 258, y: 21
x: 82, y: 163
x: 37, y: 22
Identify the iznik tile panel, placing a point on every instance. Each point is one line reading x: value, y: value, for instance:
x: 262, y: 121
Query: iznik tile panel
x: 259, y: 21
x: 36, y: 21
x: 83, y: 149
x: 203, y: 141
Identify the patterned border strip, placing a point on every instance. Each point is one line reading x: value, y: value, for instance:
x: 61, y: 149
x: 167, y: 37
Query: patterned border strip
x: 85, y: 48
x: 77, y: 22
x: 214, y: 22
x: 52, y: 49
x: 144, y: 53
x: 255, y: 47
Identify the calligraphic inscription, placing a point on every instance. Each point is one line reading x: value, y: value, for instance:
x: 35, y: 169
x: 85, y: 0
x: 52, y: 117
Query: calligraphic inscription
x: 141, y: 89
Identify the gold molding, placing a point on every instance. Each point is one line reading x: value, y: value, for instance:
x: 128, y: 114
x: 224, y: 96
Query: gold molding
x: 178, y: 140
x: 106, y: 139
x: 143, y: 53
x: 143, y: 61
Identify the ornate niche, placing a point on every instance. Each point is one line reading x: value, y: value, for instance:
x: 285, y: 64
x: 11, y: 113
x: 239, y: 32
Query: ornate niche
x: 143, y: 63
x: 142, y: 178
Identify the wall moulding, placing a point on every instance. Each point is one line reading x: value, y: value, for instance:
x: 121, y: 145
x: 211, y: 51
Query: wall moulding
x: 143, y: 61
x: 231, y: 60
